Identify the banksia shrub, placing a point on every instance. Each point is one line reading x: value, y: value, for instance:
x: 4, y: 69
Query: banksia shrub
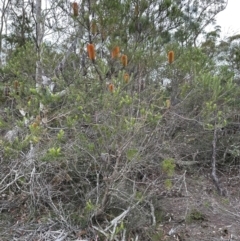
x: 75, y: 9
x: 91, y: 51
x: 111, y: 87
x: 170, y: 57
x: 126, y: 77
x: 115, y: 52
x: 124, y: 60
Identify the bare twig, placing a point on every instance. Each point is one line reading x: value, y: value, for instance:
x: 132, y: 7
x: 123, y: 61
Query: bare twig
x: 214, y: 174
x: 153, y: 214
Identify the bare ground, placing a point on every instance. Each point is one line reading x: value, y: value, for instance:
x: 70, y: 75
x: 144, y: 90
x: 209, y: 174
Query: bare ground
x: 198, y: 213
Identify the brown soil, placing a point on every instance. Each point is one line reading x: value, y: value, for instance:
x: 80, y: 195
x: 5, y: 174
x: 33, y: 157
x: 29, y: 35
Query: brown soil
x: 197, y: 213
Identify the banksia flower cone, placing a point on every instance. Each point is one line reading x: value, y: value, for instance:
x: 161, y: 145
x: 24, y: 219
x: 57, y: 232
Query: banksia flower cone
x: 126, y: 77
x: 16, y: 86
x: 124, y: 60
x: 115, y: 52
x: 94, y: 27
x: 37, y: 122
x: 170, y: 57
x: 103, y: 35
x: 6, y: 91
x: 91, y: 51
x: 136, y: 10
x: 168, y: 104
x: 111, y: 87
x: 34, y: 125
x: 75, y: 9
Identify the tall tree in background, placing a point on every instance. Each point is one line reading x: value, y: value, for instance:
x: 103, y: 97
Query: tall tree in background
x: 4, y: 10
x: 39, y: 41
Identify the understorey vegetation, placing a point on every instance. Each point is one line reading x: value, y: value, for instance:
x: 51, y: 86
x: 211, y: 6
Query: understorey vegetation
x: 105, y: 108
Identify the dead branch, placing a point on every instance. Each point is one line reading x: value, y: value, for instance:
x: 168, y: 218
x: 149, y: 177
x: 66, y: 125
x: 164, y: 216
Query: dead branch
x: 214, y: 174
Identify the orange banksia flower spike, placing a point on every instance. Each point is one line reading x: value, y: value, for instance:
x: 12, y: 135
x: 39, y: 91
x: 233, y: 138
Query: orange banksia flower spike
x: 170, y: 57
x: 75, y: 9
x: 124, y: 60
x: 126, y: 77
x: 91, y: 51
x: 115, y: 52
x: 111, y: 87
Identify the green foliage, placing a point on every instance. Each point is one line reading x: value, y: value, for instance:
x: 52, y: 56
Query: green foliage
x: 168, y: 166
x: 195, y: 216
x: 168, y: 184
x: 131, y: 153
x: 22, y: 62
x: 139, y: 196
x: 158, y: 236
x: 60, y: 135
x: 54, y: 152
x: 90, y: 207
x: 225, y: 201
x: 119, y: 228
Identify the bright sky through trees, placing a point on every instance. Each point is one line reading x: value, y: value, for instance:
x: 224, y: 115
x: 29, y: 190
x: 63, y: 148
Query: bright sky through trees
x: 229, y: 19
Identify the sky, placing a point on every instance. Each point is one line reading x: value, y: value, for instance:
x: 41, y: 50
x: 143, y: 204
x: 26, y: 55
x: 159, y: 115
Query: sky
x: 229, y: 19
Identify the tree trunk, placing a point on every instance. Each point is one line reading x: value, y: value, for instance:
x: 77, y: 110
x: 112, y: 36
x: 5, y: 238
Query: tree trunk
x: 39, y: 39
x: 4, y: 10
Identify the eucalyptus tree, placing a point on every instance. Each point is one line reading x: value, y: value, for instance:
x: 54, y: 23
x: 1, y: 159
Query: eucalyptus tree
x: 3, y: 27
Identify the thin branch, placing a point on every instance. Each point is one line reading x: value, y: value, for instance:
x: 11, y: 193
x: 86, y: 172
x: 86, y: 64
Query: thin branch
x: 214, y: 153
